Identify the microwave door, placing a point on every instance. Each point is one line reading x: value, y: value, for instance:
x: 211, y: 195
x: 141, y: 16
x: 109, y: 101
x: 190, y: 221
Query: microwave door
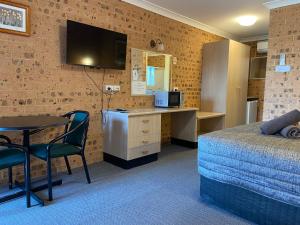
x: 174, y: 99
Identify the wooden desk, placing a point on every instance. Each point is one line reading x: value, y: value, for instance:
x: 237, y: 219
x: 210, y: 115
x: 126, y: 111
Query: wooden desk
x: 210, y: 121
x: 208, y: 115
x: 133, y: 138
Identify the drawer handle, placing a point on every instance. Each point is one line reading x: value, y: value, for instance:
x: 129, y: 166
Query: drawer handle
x: 145, y: 121
x: 145, y: 131
x: 145, y: 142
x: 145, y: 152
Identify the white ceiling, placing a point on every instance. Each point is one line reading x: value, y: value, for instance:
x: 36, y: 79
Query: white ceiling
x: 221, y: 14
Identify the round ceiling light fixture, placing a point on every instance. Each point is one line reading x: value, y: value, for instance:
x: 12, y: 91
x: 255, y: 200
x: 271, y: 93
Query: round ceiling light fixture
x: 247, y: 21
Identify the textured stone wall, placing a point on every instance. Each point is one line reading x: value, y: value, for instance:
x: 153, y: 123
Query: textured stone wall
x: 35, y: 80
x: 282, y: 92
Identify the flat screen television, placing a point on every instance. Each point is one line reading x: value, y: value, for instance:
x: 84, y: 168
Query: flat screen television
x: 95, y: 47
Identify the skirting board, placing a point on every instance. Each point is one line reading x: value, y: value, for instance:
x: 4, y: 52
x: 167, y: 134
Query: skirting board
x: 184, y: 143
x: 130, y: 163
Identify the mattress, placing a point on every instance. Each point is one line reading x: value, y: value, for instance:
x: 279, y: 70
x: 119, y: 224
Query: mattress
x: 247, y: 204
x: 242, y: 156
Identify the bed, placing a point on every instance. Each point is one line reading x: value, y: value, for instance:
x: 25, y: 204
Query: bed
x: 252, y: 175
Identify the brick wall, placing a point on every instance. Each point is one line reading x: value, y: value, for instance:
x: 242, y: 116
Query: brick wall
x: 282, y: 92
x: 35, y: 80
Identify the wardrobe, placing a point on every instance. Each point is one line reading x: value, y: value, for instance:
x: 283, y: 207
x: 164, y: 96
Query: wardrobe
x: 224, y: 85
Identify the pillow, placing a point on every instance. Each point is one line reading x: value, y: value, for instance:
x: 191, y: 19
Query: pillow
x: 275, y: 125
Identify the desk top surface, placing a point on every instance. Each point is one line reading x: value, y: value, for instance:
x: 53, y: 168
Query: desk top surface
x: 149, y: 111
x: 208, y: 115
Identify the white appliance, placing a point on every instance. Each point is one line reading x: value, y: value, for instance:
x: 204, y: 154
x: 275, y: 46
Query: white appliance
x: 167, y: 99
x: 262, y: 46
x: 251, y: 112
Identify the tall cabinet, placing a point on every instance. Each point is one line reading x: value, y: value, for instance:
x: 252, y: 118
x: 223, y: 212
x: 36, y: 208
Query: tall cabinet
x: 225, y: 80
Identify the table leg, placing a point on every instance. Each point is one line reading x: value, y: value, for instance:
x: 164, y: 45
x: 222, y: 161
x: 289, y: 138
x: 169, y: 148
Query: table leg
x: 27, y: 190
x: 27, y: 185
x: 27, y: 168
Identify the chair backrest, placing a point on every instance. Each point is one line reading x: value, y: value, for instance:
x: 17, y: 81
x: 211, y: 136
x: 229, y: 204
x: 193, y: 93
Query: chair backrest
x: 80, y: 122
x: 3, y: 142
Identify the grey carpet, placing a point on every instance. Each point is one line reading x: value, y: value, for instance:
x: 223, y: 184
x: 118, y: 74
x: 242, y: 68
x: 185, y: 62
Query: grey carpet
x: 163, y: 192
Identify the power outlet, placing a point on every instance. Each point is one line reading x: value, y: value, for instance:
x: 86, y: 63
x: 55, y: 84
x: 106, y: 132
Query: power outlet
x: 112, y: 88
x: 117, y: 88
x: 109, y: 88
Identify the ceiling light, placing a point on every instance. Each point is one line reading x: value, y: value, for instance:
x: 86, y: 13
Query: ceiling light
x: 247, y: 20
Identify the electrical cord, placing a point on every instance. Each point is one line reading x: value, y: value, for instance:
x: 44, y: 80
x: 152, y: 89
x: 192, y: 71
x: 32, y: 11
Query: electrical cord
x: 108, y: 102
x: 93, y: 81
x: 109, y: 93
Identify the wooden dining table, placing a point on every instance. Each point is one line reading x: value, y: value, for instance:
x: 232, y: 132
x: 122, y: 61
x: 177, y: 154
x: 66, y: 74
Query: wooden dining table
x: 26, y: 124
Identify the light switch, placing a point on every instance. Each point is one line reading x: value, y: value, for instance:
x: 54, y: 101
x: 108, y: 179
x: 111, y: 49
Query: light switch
x: 282, y: 67
x: 282, y: 59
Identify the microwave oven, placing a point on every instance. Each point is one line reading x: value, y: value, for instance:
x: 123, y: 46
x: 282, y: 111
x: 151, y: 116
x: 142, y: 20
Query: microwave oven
x: 167, y: 99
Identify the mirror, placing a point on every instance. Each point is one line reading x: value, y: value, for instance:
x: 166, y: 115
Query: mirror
x: 150, y: 72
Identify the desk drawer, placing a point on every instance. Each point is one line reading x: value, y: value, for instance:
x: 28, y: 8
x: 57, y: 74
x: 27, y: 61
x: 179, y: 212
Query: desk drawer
x: 134, y: 153
x: 144, y: 125
x: 137, y: 141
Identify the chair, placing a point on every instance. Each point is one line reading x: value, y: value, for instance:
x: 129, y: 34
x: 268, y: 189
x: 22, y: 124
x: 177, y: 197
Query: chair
x: 12, y: 155
x: 73, y: 143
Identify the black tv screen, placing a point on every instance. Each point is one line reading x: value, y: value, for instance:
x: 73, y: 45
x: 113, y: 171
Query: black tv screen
x: 95, y: 47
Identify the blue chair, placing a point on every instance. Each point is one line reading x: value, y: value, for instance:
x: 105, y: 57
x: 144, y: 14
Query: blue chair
x: 12, y: 155
x: 72, y: 142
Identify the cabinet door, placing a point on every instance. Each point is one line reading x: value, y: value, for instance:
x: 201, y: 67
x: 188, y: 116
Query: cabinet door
x: 115, y: 134
x: 214, y: 77
x: 238, y: 71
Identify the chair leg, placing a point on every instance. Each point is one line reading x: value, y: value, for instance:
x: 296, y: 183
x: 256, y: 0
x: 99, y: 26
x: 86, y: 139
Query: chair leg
x: 68, y: 165
x: 85, y: 168
x: 10, y: 178
x: 27, y: 180
x: 49, y: 174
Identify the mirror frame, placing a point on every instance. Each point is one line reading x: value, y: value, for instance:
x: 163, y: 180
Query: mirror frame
x: 132, y: 69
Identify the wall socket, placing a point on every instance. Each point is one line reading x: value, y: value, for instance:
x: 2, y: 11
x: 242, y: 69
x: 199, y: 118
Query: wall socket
x: 112, y: 88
